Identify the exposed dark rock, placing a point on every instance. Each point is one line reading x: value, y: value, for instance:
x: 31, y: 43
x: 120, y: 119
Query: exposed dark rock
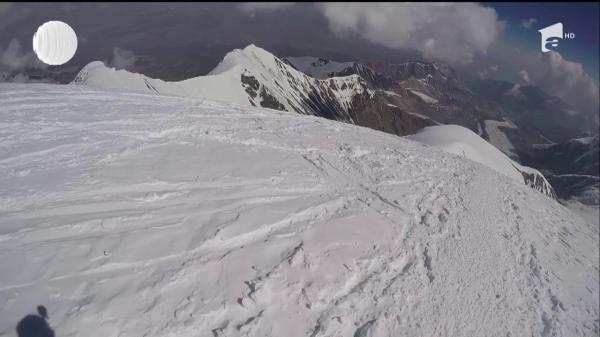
x: 269, y: 101
x: 251, y: 85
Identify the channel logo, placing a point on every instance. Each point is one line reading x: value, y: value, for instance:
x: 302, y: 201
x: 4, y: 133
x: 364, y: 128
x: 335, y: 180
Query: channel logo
x: 551, y: 35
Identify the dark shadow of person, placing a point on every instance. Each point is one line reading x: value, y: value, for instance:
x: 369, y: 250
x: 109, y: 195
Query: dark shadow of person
x: 35, y: 325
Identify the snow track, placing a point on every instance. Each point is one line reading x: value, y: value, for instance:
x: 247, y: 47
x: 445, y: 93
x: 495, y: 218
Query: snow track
x: 144, y: 215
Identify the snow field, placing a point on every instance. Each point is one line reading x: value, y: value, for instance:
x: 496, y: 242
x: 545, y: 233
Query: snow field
x: 128, y: 214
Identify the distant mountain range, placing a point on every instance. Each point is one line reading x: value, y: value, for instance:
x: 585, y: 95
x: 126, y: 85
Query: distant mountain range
x: 395, y: 98
x: 571, y: 167
x: 514, y: 118
x: 535, y: 116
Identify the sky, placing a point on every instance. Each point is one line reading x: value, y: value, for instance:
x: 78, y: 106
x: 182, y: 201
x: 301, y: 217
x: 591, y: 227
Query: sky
x: 525, y: 19
x: 175, y: 41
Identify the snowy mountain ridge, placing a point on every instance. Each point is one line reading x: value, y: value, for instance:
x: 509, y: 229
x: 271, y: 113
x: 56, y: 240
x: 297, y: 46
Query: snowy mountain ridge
x: 150, y: 215
x: 250, y: 77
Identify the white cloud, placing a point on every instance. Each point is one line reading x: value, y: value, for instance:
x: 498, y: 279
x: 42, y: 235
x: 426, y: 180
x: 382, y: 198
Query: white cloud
x: 524, y: 75
x: 549, y: 71
x: 494, y: 67
x: 122, y: 59
x: 514, y: 91
x: 568, y: 80
x: 254, y: 7
x: 14, y: 60
x: 527, y: 24
x: 452, y: 32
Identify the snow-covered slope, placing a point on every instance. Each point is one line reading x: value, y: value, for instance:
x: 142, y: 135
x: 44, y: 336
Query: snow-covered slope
x: 251, y: 77
x: 462, y: 141
x: 131, y: 214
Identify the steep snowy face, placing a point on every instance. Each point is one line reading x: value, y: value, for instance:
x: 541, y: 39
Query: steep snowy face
x: 129, y: 214
x: 464, y: 142
x: 250, y: 77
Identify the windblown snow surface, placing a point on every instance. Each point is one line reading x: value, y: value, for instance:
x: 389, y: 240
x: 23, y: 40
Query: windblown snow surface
x: 131, y: 214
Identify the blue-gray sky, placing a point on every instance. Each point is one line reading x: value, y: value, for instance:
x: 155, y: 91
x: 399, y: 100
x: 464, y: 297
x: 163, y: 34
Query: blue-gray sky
x: 525, y: 19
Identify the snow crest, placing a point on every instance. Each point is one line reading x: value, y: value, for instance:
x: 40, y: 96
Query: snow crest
x: 464, y: 142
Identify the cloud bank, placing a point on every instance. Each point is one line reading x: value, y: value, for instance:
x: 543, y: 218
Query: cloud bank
x: 122, y: 58
x: 568, y: 80
x: 14, y: 60
x: 452, y: 32
x: 524, y: 75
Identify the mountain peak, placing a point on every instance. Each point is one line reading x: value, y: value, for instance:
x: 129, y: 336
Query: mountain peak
x: 243, y: 57
x: 253, y: 47
x: 97, y: 73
